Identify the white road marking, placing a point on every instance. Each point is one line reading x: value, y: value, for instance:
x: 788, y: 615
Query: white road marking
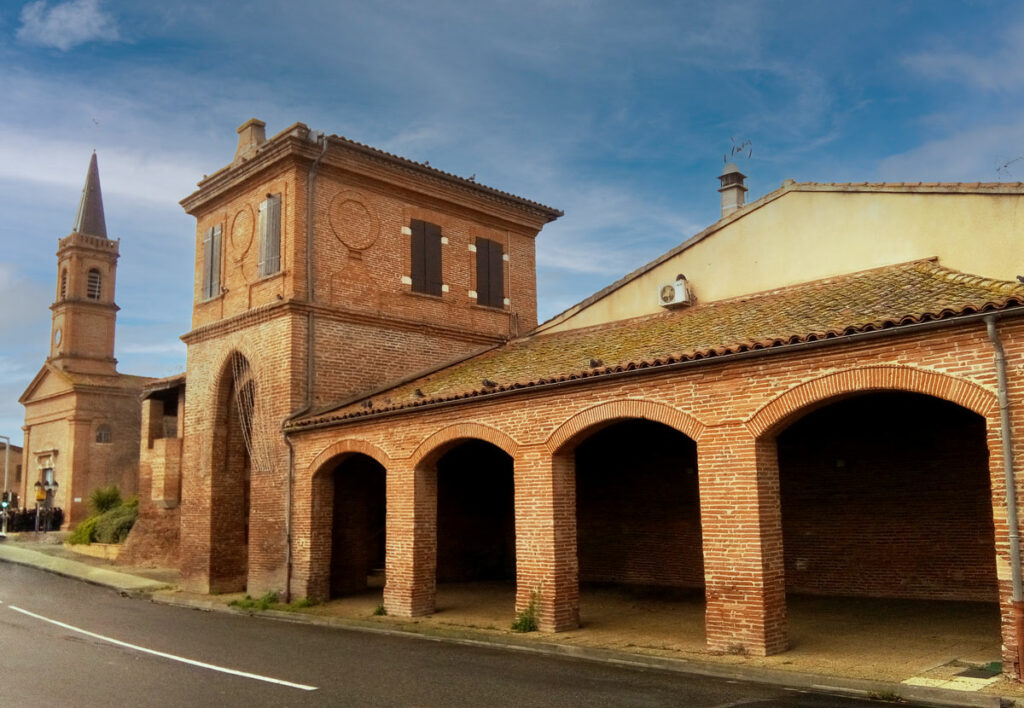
x: 164, y: 655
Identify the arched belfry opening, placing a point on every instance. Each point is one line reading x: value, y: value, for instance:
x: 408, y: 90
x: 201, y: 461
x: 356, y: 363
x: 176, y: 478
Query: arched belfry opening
x: 638, y: 522
x: 886, y: 501
x: 232, y: 470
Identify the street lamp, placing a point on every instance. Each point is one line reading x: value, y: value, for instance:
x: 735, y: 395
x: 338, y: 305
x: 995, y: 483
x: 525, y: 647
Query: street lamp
x: 7, y: 460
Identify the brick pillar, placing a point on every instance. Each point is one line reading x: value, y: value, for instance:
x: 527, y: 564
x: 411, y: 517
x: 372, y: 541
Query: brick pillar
x: 1004, y: 569
x: 546, y: 562
x: 311, y: 518
x: 742, y: 530
x: 411, y: 554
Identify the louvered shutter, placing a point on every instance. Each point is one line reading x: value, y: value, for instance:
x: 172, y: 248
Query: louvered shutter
x: 432, y: 258
x: 483, y: 275
x: 490, y: 281
x: 211, y: 263
x: 495, y: 272
x: 270, y: 235
x: 418, y: 273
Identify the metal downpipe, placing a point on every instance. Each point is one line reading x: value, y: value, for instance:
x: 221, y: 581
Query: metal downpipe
x: 1006, y: 438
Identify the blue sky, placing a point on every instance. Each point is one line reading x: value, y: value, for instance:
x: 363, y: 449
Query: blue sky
x: 618, y: 113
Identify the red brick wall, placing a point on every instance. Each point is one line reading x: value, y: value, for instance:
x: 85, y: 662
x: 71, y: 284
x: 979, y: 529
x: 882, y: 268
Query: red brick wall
x: 887, y: 495
x: 732, y: 409
x: 637, y: 506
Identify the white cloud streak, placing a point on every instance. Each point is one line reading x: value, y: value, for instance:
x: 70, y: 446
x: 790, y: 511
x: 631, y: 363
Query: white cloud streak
x: 66, y: 25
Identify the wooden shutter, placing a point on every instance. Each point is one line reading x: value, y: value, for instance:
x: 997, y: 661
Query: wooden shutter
x: 432, y: 258
x: 270, y: 235
x: 211, y: 263
x: 418, y: 272
x: 490, y: 273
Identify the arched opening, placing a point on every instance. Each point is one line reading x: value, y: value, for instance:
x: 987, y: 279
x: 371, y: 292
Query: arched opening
x: 349, y: 518
x: 231, y: 475
x: 887, y: 524
x: 475, y: 529
x: 94, y: 284
x: 638, y: 530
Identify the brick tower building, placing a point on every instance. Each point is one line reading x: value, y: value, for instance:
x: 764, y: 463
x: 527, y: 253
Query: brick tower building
x: 324, y: 268
x: 81, y: 415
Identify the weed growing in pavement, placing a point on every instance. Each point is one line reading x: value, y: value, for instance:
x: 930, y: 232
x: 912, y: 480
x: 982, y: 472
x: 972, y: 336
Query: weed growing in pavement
x: 380, y: 611
x: 249, y: 603
x: 526, y: 620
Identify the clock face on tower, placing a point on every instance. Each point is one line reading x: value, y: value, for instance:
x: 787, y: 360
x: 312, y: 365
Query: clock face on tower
x: 56, y: 337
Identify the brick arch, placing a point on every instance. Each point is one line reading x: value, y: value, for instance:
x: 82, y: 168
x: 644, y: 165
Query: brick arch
x: 461, y: 431
x: 624, y: 409
x: 774, y: 414
x: 347, y: 446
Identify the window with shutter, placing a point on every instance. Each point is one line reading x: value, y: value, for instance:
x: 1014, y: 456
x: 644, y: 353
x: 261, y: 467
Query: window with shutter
x: 211, y: 263
x: 270, y: 235
x: 490, y: 273
x: 93, y: 285
x: 426, y: 257
x: 63, y: 284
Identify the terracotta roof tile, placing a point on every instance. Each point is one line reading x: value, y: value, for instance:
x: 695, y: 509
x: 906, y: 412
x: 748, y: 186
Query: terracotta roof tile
x: 882, y: 298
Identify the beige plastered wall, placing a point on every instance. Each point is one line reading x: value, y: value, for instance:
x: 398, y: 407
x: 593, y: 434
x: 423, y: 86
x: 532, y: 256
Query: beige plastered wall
x: 803, y: 236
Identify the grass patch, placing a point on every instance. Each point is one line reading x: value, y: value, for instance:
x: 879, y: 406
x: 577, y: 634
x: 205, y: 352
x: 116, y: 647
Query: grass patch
x: 299, y: 604
x: 257, y: 604
x: 526, y: 620
x: 380, y: 611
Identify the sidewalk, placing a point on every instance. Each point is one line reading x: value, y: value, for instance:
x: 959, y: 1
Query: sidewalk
x: 48, y: 554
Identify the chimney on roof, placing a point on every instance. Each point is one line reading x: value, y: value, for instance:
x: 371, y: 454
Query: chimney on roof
x: 251, y: 134
x: 733, y: 189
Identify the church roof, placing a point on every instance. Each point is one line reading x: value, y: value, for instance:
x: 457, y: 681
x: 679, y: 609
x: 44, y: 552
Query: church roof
x: 90, y: 219
x: 883, y: 298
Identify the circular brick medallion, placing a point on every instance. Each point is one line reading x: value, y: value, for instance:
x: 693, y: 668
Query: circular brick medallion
x: 242, y: 228
x: 352, y: 220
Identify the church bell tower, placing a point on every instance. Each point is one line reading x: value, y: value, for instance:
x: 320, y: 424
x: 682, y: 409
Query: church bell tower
x: 84, y: 313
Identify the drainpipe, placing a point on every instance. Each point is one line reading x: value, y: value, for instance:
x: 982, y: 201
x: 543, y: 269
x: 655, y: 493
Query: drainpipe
x: 1006, y: 437
x: 310, y: 340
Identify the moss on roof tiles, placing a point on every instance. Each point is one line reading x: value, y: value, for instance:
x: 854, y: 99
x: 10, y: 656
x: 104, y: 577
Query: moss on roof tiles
x: 874, y: 299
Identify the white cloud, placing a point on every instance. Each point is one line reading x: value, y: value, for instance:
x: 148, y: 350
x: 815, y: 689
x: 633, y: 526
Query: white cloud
x: 985, y: 153
x: 66, y: 25
x: 1001, y: 69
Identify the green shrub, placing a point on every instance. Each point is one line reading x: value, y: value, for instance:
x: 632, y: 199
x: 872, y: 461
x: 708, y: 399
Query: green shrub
x: 113, y: 525
x: 380, y: 611
x: 83, y: 533
x: 103, y: 499
x: 526, y: 621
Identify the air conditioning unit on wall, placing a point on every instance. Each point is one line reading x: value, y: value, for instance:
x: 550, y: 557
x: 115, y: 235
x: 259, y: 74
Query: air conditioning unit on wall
x: 674, y: 294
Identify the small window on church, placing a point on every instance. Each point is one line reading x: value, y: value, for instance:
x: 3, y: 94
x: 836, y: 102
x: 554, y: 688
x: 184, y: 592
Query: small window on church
x: 63, y: 284
x: 103, y: 434
x: 95, y: 281
x: 270, y: 235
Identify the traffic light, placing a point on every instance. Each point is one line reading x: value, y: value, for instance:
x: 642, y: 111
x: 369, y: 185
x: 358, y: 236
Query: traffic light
x: 5, y: 500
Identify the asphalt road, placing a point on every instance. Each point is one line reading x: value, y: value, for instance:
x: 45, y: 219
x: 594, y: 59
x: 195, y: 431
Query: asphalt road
x: 43, y: 663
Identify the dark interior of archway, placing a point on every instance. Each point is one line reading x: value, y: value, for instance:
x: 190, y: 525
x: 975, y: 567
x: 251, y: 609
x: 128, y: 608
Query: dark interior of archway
x: 637, y: 507
x: 475, y: 514
x: 358, y: 521
x: 888, y: 495
x: 230, y: 495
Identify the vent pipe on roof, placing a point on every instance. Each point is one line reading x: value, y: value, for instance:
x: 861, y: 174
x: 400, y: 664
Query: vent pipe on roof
x: 251, y: 134
x: 733, y: 189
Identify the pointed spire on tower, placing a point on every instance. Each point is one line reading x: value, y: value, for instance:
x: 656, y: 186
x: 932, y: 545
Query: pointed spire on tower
x: 90, y: 219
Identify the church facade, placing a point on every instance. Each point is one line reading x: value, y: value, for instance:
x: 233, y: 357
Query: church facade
x: 81, y: 416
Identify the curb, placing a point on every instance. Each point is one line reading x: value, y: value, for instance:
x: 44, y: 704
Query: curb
x: 144, y: 588
x: 856, y: 688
